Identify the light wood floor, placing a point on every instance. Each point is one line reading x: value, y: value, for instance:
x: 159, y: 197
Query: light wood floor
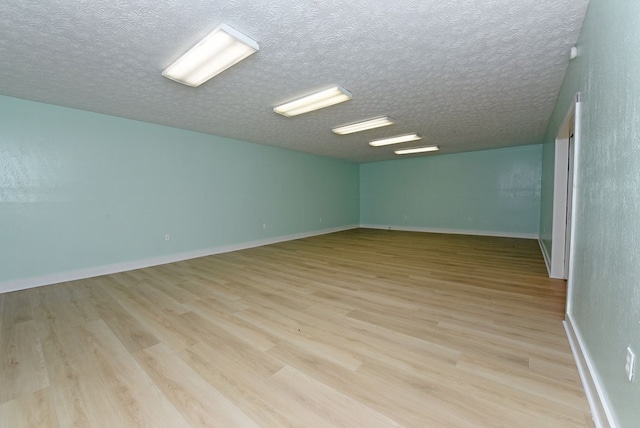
x: 361, y: 328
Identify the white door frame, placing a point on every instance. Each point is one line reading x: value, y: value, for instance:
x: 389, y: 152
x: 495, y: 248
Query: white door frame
x: 562, y: 194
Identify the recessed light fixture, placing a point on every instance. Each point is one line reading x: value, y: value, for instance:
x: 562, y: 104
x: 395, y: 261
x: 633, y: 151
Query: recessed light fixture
x: 395, y: 140
x: 221, y: 49
x: 315, y: 101
x: 363, y: 125
x: 417, y: 150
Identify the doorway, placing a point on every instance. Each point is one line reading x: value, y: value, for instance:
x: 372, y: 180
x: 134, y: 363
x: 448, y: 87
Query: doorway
x: 563, y: 192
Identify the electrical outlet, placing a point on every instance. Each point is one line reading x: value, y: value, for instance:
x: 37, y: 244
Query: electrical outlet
x: 166, y: 237
x: 264, y: 225
x: 630, y: 365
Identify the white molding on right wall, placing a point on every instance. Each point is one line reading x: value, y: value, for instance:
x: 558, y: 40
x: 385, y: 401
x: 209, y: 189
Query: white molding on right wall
x: 600, y: 411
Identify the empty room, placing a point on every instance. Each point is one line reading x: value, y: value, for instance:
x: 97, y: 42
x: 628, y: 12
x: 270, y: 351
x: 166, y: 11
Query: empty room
x: 319, y: 213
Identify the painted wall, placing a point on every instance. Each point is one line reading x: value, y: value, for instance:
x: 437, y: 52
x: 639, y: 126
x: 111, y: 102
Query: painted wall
x: 80, y: 189
x: 486, y: 192
x: 605, y: 277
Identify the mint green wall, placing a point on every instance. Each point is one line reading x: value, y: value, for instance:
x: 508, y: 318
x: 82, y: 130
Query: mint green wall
x: 80, y: 189
x: 495, y: 191
x: 605, y: 279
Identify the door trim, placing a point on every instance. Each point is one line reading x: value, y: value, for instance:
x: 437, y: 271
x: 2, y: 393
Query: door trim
x: 561, y: 192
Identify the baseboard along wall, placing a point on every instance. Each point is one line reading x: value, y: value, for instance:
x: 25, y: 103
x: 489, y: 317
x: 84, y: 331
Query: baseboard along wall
x: 546, y: 256
x: 22, y: 284
x: 452, y: 231
x: 600, y: 410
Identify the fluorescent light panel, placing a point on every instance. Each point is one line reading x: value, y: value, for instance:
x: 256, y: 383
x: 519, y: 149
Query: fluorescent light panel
x: 417, y: 150
x: 315, y: 101
x: 395, y: 140
x: 363, y: 125
x: 221, y: 49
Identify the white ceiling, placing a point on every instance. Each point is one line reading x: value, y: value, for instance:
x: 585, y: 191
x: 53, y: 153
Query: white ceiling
x: 466, y: 74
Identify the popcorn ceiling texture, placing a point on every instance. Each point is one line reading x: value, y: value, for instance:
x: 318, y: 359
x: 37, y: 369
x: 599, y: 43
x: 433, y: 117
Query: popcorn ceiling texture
x: 467, y: 75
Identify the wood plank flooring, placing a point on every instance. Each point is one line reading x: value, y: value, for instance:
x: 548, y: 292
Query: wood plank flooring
x: 363, y: 328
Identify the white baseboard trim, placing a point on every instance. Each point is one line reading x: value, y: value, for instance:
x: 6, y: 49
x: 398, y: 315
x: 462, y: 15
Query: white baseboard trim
x: 23, y: 284
x: 600, y: 411
x: 545, y: 255
x: 452, y: 231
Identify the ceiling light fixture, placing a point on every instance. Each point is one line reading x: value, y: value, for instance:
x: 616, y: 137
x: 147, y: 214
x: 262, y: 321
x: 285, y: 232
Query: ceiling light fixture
x: 315, y: 101
x: 417, y: 150
x: 221, y: 49
x: 395, y: 140
x: 363, y: 125
x: 573, y: 53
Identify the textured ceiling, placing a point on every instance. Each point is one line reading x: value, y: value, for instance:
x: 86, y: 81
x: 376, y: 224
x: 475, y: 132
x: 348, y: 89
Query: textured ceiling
x: 466, y: 74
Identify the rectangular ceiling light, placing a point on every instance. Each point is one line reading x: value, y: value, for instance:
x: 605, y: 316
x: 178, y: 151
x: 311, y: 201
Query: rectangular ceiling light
x: 221, y: 49
x: 316, y: 101
x: 417, y: 150
x: 395, y: 140
x: 363, y: 125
